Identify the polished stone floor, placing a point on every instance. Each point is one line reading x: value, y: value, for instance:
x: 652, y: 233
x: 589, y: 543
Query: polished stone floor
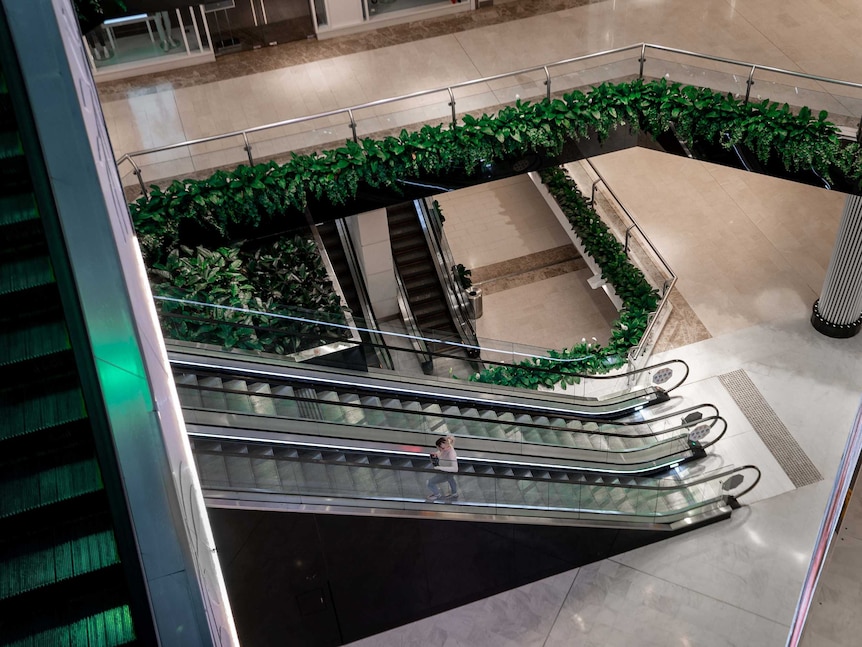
x: 750, y: 252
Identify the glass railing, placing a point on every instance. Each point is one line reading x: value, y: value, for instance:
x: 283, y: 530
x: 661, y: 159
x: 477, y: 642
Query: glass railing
x: 276, y: 141
x: 641, y: 252
x: 301, y: 329
x: 343, y: 477
x: 387, y: 415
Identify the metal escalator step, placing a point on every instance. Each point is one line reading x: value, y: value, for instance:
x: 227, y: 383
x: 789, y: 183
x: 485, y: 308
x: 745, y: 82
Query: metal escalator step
x: 236, y: 397
x: 48, y: 486
x: 45, y: 561
x: 239, y: 471
x: 330, y: 406
x: 285, y: 404
x: 189, y: 394
x: 10, y: 145
x: 308, y: 408
x: 109, y: 628
x: 36, y: 340
x: 260, y: 398
x: 265, y: 471
x: 24, y: 274
x: 19, y: 208
x: 41, y: 412
x: 213, y: 395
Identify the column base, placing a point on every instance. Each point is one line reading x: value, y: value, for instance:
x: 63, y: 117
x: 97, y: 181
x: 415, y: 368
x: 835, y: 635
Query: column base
x: 838, y: 331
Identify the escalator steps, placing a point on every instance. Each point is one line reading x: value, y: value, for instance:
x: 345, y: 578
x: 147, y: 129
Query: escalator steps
x: 10, y: 145
x: 41, y: 412
x: 49, y: 486
x: 43, y: 563
x: 102, y: 629
x: 25, y: 274
x: 17, y: 208
x: 38, y: 340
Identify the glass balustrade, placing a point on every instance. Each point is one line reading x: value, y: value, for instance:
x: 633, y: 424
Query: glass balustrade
x: 338, y: 477
x: 843, y: 101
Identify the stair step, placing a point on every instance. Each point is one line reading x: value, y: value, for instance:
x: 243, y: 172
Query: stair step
x: 41, y: 412
x: 40, y: 339
x: 48, y: 486
x: 25, y: 274
x: 18, y: 208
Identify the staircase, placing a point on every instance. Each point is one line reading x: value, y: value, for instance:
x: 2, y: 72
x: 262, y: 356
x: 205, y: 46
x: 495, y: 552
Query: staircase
x: 61, y: 577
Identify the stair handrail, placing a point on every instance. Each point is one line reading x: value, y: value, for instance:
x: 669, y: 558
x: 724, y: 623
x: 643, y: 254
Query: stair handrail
x: 639, y: 351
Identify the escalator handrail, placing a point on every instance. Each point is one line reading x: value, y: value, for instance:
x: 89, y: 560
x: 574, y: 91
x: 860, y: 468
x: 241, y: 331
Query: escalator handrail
x: 444, y: 262
x: 479, y: 349
x: 718, y: 475
x: 446, y: 416
x: 353, y: 265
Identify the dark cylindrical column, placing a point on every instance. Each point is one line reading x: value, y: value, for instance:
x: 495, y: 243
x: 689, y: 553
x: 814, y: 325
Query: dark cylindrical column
x: 838, y: 311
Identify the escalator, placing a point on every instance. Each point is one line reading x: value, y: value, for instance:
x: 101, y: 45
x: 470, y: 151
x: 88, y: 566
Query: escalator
x: 338, y: 479
x: 426, y: 297
x: 318, y: 404
x: 62, y: 579
x: 337, y: 247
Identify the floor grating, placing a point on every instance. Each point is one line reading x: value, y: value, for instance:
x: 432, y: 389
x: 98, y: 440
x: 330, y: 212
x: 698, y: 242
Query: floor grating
x: 781, y: 444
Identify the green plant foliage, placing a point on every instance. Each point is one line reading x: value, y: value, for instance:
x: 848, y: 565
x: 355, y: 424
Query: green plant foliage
x: 231, y: 202
x: 288, y: 272
x: 462, y: 276
x: 638, y: 296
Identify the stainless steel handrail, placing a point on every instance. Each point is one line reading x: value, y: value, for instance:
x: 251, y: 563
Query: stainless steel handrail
x: 640, y: 47
x: 666, y: 287
x: 778, y: 70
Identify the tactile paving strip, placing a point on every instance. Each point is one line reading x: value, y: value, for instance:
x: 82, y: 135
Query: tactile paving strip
x: 783, y: 446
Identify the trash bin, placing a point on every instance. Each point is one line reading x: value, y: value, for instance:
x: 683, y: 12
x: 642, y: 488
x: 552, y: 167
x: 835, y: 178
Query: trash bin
x: 474, y: 295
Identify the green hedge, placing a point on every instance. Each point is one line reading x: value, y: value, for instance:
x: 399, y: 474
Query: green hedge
x: 638, y: 296
x: 248, y: 197
x: 251, y: 195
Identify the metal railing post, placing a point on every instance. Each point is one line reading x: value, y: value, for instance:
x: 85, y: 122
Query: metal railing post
x: 642, y: 60
x: 547, y: 82
x: 352, y: 125
x: 593, y: 191
x: 137, y: 172
x: 452, y: 103
x: 628, y: 237
x: 248, y: 148
x: 749, y: 82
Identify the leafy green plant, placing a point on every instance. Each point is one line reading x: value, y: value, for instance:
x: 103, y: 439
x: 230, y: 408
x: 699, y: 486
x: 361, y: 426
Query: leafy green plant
x: 462, y: 276
x: 225, y: 285
x: 638, y: 296
x: 228, y: 205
